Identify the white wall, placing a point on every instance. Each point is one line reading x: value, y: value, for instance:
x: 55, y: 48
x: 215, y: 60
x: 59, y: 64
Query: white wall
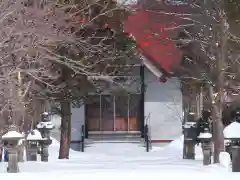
x: 78, y: 119
x: 163, y: 101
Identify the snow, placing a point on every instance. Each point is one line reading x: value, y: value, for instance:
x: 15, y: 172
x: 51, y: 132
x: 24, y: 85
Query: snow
x: 48, y: 125
x: 189, y: 124
x: 205, y: 135
x: 127, y: 2
x: 12, y: 134
x: 120, y: 161
x: 225, y: 159
x: 232, y: 130
x: 20, y: 142
x: 35, y: 135
x: 45, y: 113
x: 56, y: 120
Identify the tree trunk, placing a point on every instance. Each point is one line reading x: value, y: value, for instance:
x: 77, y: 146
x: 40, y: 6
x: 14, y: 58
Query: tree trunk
x: 218, y: 136
x: 221, y: 66
x: 65, y: 130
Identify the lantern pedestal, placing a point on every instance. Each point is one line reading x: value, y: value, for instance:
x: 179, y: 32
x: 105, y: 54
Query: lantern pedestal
x: 11, y: 140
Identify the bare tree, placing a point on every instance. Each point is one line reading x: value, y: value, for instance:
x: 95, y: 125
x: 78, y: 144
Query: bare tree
x: 212, y: 60
x: 23, y: 31
x: 101, y: 55
x: 209, y: 42
x: 52, y: 50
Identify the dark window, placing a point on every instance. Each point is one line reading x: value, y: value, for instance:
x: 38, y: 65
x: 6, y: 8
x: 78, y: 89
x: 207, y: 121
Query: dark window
x: 107, y: 109
x: 121, y: 112
x: 113, y: 113
x: 134, y: 106
x: 93, y: 113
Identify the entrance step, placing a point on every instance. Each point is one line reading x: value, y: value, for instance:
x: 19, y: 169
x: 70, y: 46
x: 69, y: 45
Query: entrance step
x: 91, y: 141
x: 115, y: 137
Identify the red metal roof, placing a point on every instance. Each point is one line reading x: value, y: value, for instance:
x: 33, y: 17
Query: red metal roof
x: 149, y: 30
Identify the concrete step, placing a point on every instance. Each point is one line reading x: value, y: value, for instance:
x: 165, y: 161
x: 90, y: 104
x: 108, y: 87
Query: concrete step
x: 113, y: 136
x: 115, y: 140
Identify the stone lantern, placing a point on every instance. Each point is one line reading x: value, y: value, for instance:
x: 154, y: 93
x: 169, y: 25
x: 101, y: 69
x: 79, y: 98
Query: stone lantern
x: 206, y: 142
x: 190, y: 135
x: 45, y: 126
x: 33, y: 140
x: 11, y: 139
x: 232, y: 134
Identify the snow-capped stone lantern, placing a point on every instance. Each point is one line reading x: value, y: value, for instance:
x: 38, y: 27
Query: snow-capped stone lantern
x: 232, y: 134
x: 45, y: 126
x: 11, y: 139
x: 33, y: 139
x: 206, y: 142
x: 190, y: 135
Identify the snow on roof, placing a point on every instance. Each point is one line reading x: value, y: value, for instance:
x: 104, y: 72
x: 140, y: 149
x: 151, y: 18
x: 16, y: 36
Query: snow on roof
x: 232, y: 130
x: 12, y: 134
x: 37, y: 132
x: 34, y: 135
x: 48, y: 125
x: 205, y: 135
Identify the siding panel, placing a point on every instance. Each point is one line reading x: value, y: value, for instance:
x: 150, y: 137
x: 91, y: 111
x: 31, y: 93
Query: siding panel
x: 163, y: 101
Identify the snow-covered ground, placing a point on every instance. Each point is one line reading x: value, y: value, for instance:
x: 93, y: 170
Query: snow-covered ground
x: 119, y: 161
x: 56, y: 120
